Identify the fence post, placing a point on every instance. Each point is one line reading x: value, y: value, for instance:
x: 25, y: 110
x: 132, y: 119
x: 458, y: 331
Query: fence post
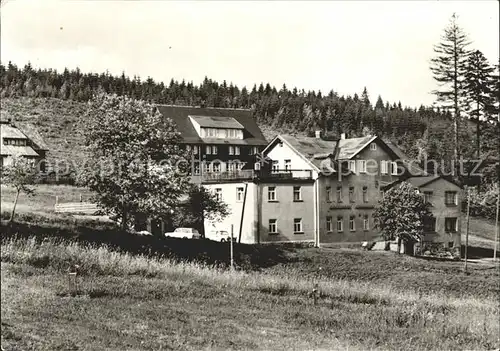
x: 231, y: 247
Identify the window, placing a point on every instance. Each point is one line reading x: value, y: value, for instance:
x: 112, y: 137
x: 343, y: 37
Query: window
x: 351, y: 194
x: 254, y: 150
x: 428, y: 196
x: 218, y: 194
x: 430, y: 224
x: 339, y: 194
x: 394, y: 168
x: 329, y: 224
x: 340, y: 224
x: 216, y: 167
x: 273, y: 226
x: 450, y: 224
x: 230, y: 166
x: 231, y: 150
x: 208, y: 149
x: 365, y: 194
x: 239, y: 194
x: 450, y: 198
x: 236, y: 150
x: 231, y: 134
x: 196, y: 168
x: 383, y: 167
x: 362, y: 166
x: 352, y: 166
x: 288, y: 165
x: 206, y: 167
x: 15, y: 142
x: 373, y: 146
x: 214, y: 150
x: 297, y: 225
x: 275, y: 166
x: 328, y: 194
x: 195, y: 150
x: 352, y: 225
x: 366, y: 223
x: 297, y: 194
x: 271, y: 193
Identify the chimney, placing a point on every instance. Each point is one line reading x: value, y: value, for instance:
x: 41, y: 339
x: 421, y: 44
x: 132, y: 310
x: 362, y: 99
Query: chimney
x: 317, y: 133
x: 342, y: 136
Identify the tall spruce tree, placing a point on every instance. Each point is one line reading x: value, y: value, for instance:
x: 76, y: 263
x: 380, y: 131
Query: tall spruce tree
x: 478, y: 89
x: 448, y: 69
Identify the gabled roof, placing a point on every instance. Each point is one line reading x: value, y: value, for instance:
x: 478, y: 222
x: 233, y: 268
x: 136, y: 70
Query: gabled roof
x: 9, y: 131
x: 312, y: 150
x: 413, y: 168
x: 217, y: 122
x: 252, y: 134
x: 32, y: 133
x: 11, y: 150
x: 348, y: 148
x: 420, y: 181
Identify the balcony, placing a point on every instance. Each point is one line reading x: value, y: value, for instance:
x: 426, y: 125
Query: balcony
x: 288, y: 174
x: 250, y: 174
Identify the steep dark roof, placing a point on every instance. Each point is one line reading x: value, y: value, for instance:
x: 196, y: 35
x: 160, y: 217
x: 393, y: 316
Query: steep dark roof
x: 252, y: 134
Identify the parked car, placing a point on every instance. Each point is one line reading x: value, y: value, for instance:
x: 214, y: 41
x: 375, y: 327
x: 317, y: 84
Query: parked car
x: 184, y: 233
x: 219, y: 235
x: 143, y: 232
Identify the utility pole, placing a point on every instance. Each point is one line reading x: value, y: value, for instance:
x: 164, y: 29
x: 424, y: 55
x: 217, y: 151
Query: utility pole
x: 497, y: 229
x: 231, y: 247
x: 467, y: 229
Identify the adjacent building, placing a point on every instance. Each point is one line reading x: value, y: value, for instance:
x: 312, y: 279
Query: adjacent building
x: 348, y: 175
x: 302, y: 189
x: 21, y: 140
x: 319, y: 191
x: 223, y: 141
x: 443, y: 196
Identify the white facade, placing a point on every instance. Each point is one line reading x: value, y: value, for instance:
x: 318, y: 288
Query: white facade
x: 287, y: 158
x: 233, y: 194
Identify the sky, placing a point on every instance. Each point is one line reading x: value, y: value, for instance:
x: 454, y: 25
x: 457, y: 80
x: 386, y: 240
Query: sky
x: 345, y: 46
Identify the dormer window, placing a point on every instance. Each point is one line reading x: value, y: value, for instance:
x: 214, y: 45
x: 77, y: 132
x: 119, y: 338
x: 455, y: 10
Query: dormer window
x: 221, y: 133
x: 217, y: 127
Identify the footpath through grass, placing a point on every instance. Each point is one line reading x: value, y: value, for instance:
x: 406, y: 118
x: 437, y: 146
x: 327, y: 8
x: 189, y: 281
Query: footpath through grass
x: 128, y: 302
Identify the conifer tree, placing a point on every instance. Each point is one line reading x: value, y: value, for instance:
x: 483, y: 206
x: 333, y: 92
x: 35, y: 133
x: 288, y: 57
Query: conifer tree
x: 478, y: 89
x: 448, y: 69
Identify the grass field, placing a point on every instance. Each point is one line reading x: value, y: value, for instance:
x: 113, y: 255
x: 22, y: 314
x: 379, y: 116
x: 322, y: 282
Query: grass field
x: 128, y: 302
x: 175, y: 294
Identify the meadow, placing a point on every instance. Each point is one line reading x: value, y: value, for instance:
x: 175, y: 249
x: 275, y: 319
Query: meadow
x: 145, y: 293
x: 136, y: 302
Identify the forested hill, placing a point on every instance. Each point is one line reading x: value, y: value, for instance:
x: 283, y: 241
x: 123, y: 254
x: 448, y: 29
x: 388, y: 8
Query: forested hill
x: 421, y: 132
